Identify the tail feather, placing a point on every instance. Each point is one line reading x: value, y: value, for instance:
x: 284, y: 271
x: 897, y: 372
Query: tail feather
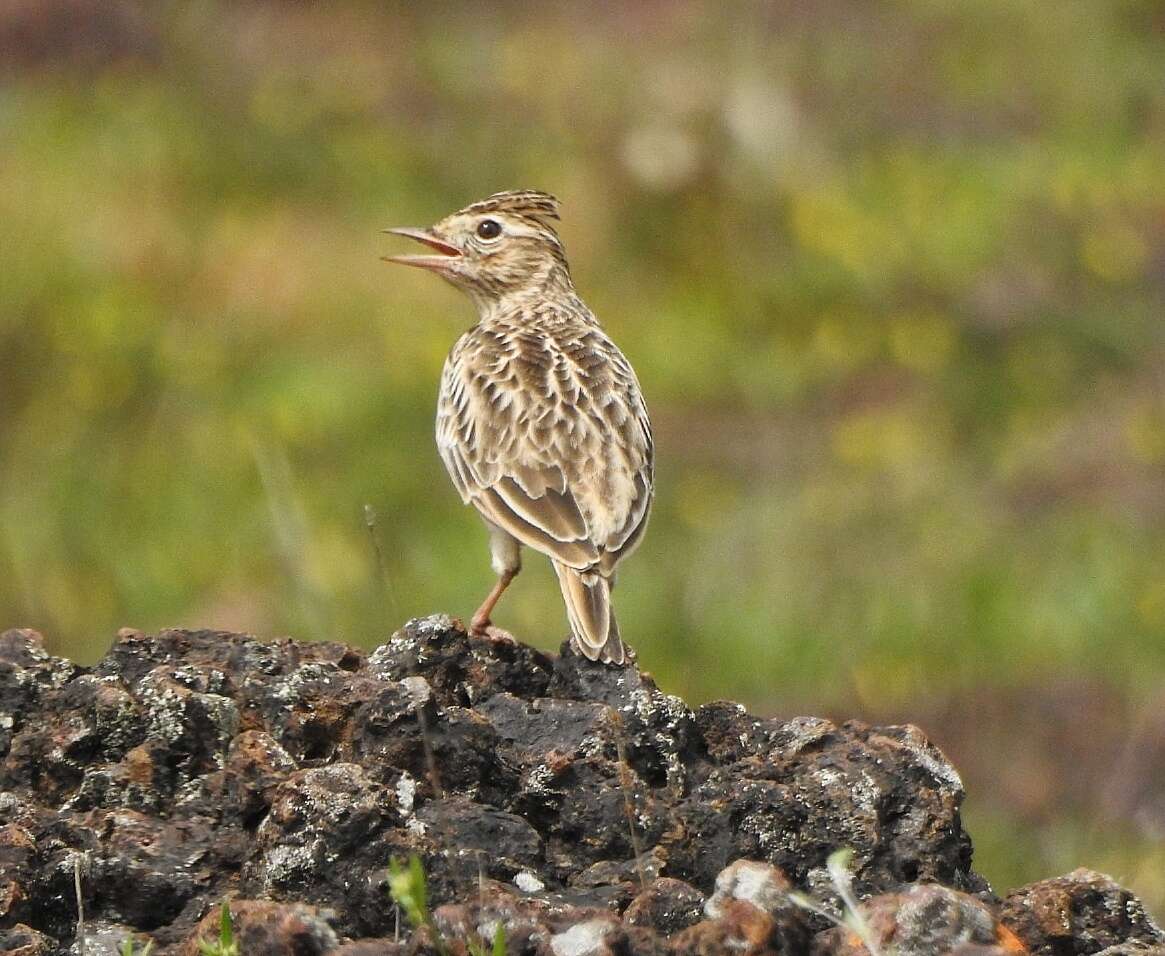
x: 594, y: 630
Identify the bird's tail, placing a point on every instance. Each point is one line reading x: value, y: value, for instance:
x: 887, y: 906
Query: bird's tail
x: 594, y: 631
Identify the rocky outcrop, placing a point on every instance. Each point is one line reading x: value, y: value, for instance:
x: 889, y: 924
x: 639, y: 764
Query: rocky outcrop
x: 1083, y: 912
x: 575, y: 805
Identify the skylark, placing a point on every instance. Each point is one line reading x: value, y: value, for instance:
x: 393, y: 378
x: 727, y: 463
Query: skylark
x: 540, y: 418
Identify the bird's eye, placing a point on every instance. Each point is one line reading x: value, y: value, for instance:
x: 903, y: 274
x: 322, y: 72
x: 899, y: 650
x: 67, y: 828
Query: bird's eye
x: 489, y: 229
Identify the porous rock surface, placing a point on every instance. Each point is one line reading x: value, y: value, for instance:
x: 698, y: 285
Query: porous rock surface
x: 573, y: 804
x: 1081, y: 913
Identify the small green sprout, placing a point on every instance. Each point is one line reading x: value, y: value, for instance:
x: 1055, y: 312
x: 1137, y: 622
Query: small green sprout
x: 410, y: 892
x: 225, y: 945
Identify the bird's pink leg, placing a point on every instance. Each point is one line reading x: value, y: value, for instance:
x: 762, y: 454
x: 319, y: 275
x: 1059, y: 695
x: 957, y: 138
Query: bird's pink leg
x: 480, y: 624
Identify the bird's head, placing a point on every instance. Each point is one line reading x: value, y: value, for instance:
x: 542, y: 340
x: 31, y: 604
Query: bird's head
x: 495, y: 247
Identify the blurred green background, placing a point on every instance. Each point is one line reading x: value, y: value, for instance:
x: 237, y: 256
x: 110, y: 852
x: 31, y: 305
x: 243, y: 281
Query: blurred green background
x: 892, y: 275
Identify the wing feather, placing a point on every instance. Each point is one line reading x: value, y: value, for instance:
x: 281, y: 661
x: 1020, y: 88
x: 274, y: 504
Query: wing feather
x: 545, y: 432
x: 576, y: 554
x: 556, y: 514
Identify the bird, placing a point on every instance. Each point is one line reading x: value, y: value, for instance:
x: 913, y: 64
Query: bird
x: 541, y: 421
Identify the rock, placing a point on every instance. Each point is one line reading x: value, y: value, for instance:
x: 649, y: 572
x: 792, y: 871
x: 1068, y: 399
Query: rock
x: 21, y: 940
x: 369, y: 947
x: 270, y: 928
x: 1082, y: 912
x: 496, y: 843
x: 923, y: 920
x: 760, y: 884
x: 740, y: 928
x: 463, y: 670
x: 588, y: 938
x: 750, y: 911
x: 107, y: 936
x: 327, y: 839
x: 528, y: 922
x: 656, y: 732
x: 573, y: 804
x: 627, y: 940
x: 729, y: 732
x: 632, y: 873
x: 804, y: 788
x: 666, y: 906
x: 241, y: 793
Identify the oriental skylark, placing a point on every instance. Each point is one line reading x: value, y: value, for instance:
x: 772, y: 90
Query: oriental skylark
x: 540, y: 418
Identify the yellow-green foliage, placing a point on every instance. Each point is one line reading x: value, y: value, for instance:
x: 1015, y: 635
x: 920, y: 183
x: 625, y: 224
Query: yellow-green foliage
x: 409, y: 890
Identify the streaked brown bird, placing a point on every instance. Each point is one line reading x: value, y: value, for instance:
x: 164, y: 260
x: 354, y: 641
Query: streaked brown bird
x: 540, y: 418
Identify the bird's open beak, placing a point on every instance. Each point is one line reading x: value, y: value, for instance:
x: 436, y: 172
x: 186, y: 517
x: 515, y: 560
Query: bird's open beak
x: 447, y: 254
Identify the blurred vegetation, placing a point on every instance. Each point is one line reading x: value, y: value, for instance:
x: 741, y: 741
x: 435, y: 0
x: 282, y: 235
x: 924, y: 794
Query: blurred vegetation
x: 892, y: 274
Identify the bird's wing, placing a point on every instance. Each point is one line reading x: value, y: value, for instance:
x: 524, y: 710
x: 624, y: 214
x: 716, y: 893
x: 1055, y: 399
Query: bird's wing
x: 636, y: 446
x: 487, y: 441
x: 550, y: 441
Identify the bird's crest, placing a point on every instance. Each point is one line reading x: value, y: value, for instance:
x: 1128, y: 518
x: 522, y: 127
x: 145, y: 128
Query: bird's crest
x: 521, y: 202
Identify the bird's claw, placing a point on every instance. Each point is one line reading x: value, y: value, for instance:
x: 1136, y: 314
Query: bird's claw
x: 493, y: 633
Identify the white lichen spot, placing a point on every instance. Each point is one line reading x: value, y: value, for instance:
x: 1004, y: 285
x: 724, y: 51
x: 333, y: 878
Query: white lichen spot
x: 488, y: 929
x: 36, y: 651
x: 165, y: 709
x: 416, y: 632
x: 865, y: 791
x: 415, y: 826
x: 527, y: 882
x: 592, y: 745
x: 419, y: 689
x: 753, y: 882
x: 187, y: 676
x: 296, y: 686
x: 224, y: 713
x: 582, y: 939
x: 285, y: 864
x: 538, y: 780
x: 70, y: 861
x: 827, y: 776
x: 406, y: 793
x: 931, y: 758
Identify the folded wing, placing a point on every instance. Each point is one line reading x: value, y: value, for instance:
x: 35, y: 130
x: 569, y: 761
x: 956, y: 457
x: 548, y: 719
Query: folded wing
x: 549, y: 444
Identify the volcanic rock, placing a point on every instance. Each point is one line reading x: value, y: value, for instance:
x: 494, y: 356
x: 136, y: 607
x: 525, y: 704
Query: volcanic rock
x: 575, y: 805
x: 1082, y: 912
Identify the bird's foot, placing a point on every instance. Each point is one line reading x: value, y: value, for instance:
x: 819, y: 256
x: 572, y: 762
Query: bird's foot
x: 492, y: 633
